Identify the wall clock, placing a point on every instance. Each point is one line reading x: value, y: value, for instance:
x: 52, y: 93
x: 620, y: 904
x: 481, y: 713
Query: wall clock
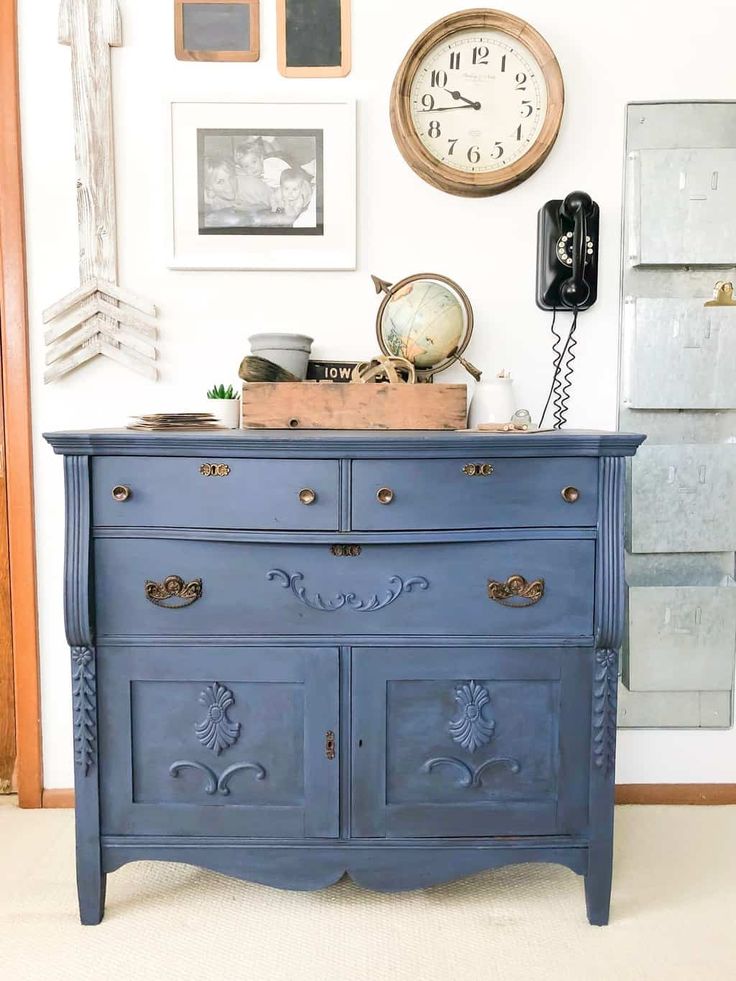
x: 477, y: 103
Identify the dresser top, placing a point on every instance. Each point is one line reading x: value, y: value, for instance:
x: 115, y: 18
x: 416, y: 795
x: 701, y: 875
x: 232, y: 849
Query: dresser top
x: 330, y: 443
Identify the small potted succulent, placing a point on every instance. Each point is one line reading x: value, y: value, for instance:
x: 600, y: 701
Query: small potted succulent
x: 225, y: 405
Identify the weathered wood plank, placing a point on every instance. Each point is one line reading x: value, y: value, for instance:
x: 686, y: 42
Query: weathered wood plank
x: 91, y: 28
x: 304, y: 405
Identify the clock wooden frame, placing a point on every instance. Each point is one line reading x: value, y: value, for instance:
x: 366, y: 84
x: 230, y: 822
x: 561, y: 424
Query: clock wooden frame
x: 421, y: 160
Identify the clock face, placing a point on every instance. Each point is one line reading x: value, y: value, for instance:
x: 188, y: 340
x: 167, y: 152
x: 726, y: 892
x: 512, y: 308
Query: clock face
x: 478, y: 101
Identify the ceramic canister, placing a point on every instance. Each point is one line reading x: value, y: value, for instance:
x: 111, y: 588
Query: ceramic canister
x: 289, y: 351
x: 493, y: 401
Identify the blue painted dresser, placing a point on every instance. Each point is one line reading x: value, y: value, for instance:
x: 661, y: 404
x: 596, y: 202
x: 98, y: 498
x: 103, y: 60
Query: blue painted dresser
x: 391, y: 655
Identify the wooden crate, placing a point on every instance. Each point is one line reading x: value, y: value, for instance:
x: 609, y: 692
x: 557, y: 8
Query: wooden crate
x: 327, y: 405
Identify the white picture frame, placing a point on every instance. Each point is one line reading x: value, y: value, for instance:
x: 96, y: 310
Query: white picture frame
x: 263, y: 185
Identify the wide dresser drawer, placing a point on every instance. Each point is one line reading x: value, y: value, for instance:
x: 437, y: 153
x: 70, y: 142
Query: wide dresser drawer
x: 534, y: 588
x: 185, y: 492
x: 460, y: 493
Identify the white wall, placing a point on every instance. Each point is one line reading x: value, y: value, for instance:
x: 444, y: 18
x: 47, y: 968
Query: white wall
x: 617, y: 52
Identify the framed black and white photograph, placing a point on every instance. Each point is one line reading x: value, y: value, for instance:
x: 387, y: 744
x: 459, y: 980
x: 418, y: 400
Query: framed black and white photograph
x: 263, y: 185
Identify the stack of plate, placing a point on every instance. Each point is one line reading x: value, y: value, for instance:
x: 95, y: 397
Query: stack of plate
x: 175, y: 420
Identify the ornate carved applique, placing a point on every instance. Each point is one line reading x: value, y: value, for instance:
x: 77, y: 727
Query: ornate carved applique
x: 173, y: 593
x: 84, y: 691
x: 471, y: 730
x: 398, y: 587
x: 471, y: 777
x: 605, y: 694
x: 216, y: 731
x: 213, y: 783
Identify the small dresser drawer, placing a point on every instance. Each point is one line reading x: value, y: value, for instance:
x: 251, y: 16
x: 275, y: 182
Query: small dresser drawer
x: 406, y: 495
x: 185, y: 492
x: 528, y: 588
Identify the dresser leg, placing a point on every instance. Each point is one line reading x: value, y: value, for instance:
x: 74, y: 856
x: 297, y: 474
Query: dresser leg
x: 91, y: 883
x: 598, y: 884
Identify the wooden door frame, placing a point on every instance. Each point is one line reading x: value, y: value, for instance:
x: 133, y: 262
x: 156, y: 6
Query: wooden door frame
x: 18, y: 433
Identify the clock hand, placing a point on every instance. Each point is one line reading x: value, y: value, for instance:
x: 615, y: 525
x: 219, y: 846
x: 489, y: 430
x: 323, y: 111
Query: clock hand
x: 457, y: 95
x: 449, y: 108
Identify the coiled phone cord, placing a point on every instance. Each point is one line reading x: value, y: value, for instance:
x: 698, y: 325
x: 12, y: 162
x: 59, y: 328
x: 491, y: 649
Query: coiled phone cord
x: 560, y: 389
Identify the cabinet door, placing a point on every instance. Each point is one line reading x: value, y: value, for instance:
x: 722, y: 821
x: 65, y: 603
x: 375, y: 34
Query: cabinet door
x: 218, y: 741
x: 466, y: 742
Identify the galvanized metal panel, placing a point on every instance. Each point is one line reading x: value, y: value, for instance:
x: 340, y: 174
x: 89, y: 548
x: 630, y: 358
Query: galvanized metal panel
x: 674, y: 709
x: 682, y: 196
x: 678, y: 360
x: 678, y: 354
x: 680, y: 638
x: 681, y: 123
x: 682, y: 499
x: 716, y: 709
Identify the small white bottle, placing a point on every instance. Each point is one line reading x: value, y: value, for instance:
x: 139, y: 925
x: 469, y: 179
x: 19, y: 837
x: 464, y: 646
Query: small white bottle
x: 493, y: 401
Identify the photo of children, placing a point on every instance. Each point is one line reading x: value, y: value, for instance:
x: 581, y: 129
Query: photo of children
x: 260, y: 182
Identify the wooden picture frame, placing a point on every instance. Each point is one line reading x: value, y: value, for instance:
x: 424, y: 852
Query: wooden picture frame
x: 287, y: 10
x: 439, y: 175
x: 186, y: 53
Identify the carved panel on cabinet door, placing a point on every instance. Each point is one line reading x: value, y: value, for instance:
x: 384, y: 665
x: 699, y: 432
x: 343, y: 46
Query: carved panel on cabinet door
x: 216, y: 731
x: 472, y: 730
x: 214, y: 783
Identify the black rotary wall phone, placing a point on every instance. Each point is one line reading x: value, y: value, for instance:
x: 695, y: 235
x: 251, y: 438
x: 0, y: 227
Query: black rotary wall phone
x: 567, y: 279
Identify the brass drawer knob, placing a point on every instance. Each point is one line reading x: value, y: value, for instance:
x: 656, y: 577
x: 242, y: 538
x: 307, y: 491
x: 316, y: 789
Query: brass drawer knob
x: 307, y: 496
x: 121, y: 493
x: 385, y: 495
x: 478, y: 469
x: 570, y: 494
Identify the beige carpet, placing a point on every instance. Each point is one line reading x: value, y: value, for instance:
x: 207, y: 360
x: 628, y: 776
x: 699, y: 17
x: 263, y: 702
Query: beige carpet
x: 673, y: 916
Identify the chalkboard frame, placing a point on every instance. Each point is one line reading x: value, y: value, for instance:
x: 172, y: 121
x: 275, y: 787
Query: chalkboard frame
x: 252, y: 54
x: 315, y: 71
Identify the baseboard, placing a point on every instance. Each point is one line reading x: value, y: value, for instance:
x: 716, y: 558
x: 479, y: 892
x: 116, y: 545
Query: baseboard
x: 676, y: 793
x: 58, y: 798
x: 626, y: 793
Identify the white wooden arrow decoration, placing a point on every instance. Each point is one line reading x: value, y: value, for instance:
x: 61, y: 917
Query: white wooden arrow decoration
x: 99, y: 317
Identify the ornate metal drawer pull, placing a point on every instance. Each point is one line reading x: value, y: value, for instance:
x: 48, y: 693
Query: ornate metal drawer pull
x: 346, y: 551
x: 516, y: 591
x: 330, y: 745
x: 121, y: 493
x: 173, y: 593
x: 478, y: 469
x: 215, y: 470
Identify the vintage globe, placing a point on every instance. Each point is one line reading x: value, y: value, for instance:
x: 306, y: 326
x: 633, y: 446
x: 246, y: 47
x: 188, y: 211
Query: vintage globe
x: 424, y: 321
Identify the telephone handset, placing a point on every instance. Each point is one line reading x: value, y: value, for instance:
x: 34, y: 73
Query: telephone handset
x: 567, y: 253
